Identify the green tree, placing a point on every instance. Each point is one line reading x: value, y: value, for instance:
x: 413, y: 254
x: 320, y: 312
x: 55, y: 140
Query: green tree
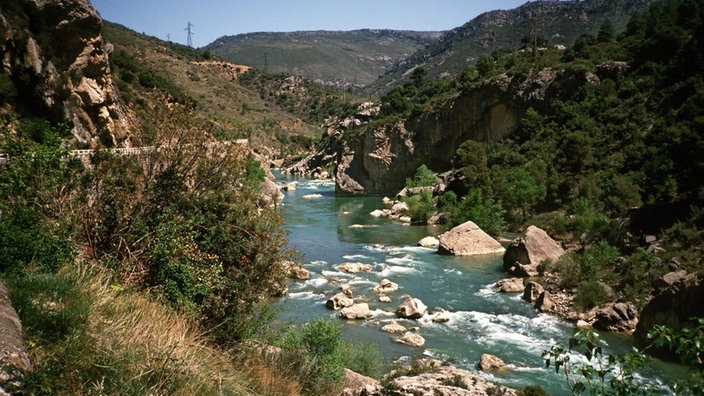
x: 423, y: 177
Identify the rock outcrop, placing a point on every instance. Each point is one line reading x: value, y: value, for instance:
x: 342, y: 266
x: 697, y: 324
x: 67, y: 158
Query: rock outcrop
x: 468, y: 240
x: 379, y: 159
x: 437, y: 379
x: 618, y: 317
x: 327, y: 152
x: 68, y: 75
x: 673, y: 308
x: 13, y: 353
x: 525, y: 253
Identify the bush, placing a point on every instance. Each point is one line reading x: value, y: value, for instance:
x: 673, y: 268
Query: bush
x: 567, y: 267
x: 420, y: 206
x: 363, y: 358
x: 590, y: 294
x: 597, y: 258
x: 485, y: 213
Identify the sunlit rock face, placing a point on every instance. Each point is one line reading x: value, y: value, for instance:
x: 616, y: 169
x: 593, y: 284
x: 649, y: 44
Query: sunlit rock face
x: 54, y: 53
x: 378, y: 160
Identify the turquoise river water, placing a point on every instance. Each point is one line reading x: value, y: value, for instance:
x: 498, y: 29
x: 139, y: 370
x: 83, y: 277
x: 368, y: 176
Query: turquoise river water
x: 332, y: 230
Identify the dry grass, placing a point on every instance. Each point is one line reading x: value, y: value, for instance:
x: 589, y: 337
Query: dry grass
x: 141, y: 340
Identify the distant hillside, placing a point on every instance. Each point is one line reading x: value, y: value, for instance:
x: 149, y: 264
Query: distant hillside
x: 557, y: 22
x: 355, y: 57
x: 239, y: 101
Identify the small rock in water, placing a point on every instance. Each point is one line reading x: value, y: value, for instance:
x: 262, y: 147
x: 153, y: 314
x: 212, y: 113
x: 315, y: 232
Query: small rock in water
x: 411, y: 339
x: 393, y: 327
x: 312, y: 196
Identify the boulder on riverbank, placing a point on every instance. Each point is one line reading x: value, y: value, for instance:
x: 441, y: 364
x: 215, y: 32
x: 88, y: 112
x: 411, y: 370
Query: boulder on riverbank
x: 618, y: 317
x: 527, y: 251
x: 468, y: 240
x: 411, y: 308
x: 490, y: 363
x: 510, y: 285
x: 437, y: 378
x: 429, y: 242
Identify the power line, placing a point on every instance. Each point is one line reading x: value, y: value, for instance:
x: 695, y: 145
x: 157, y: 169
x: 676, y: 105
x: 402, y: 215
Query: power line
x: 190, y: 33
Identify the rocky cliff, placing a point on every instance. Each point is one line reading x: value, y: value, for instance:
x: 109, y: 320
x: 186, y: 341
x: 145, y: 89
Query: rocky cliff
x: 378, y: 160
x: 53, y: 52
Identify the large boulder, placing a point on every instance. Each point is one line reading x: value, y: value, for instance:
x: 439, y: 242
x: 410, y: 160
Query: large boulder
x: 429, y: 242
x: 356, y: 384
x: 617, y: 317
x: 527, y: 251
x: 411, y: 308
x: 356, y: 311
x: 490, y: 363
x: 510, y: 285
x: 394, y: 327
x: 672, y: 308
x: 544, y: 303
x: 468, y: 240
x: 339, y: 301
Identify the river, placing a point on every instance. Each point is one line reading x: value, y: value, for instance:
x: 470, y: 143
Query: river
x: 332, y: 230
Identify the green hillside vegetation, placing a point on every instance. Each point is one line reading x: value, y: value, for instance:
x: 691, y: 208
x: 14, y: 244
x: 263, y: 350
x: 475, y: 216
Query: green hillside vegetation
x: 219, y: 91
x: 555, y: 22
x: 353, y: 58
x: 624, y: 148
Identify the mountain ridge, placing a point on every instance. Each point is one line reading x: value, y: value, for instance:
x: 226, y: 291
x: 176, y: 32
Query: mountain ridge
x: 342, y: 58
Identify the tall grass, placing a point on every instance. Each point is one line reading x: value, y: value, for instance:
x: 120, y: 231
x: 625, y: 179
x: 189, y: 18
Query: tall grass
x: 105, y: 340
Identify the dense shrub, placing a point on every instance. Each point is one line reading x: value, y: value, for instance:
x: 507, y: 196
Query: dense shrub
x: 420, y: 206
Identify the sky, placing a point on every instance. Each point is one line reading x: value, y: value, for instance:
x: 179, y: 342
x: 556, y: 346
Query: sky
x: 211, y: 19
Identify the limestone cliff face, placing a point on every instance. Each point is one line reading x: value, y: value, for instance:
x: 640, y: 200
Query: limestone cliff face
x: 379, y: 160
x: 54, y: 53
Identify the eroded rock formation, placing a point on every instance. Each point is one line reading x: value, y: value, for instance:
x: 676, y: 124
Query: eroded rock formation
x: 59, y: 61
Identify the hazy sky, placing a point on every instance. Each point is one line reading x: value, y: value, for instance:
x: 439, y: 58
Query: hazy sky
x: 212, y: 19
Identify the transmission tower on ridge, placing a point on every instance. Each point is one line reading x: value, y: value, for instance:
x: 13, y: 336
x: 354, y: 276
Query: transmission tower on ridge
x: 190, y: 33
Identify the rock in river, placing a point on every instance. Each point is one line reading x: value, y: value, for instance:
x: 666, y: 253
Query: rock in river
x: 468, y: 240
x: 411, y: 308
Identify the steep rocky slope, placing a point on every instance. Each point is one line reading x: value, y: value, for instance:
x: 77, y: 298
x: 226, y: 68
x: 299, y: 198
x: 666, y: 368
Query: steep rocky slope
x: 376, y: 159
x: 556, y: 22
x: 54, y: 53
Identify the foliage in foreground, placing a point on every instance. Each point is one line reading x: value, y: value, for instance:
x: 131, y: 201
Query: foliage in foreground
x: 87, y: 335
x: 319, y: 356
x: 587, y: 369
